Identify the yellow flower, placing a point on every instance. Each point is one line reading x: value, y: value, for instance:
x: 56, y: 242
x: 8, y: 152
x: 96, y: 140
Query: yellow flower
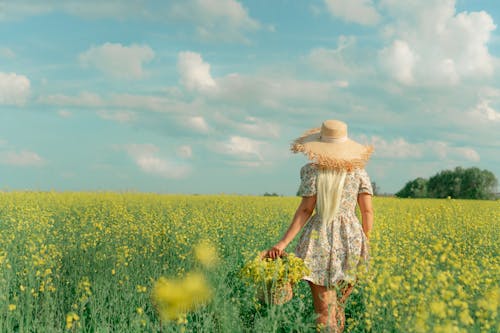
x: 281, y: 270
x: 141, y: 289
x: 438, y: 308
x: 71, y: 319
x: 420, y: 323
x: 490, y: 301
x: 182, y: 319
x: 206, y: 253
x: 12, y: 307
x: 465, y: 317
x: 174, y: 298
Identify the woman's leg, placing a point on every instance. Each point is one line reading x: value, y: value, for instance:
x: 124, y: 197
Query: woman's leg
x: 346, y: 290
x: 324, y: 301
x: 344, y: 294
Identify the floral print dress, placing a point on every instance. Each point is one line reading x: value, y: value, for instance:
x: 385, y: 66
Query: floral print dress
x: 334, y: 250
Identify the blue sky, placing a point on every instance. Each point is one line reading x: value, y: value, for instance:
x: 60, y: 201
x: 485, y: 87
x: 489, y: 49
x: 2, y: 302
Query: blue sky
x: 205, y: 96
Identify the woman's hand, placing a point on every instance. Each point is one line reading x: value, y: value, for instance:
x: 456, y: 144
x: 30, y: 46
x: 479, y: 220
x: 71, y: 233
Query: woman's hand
x: 367, y: 236
x: 302, y: 214
x: 276, y: 251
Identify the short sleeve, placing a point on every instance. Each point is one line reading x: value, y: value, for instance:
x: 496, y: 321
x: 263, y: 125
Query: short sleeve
x: 308, y: 176
x: 365, y: 185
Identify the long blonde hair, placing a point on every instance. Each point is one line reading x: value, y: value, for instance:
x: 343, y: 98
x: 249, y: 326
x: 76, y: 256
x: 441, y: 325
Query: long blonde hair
x: 330, y: 186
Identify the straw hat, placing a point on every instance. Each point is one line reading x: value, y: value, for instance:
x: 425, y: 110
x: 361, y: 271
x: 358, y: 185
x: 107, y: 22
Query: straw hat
x: 330, y: 147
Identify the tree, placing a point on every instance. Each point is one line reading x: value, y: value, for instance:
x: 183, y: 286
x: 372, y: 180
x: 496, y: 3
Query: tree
x: 375, y: 188
x: 460, y: 183
x: 416, y: 188
x: 471, y: 183
x: 477, y: 184
x: 446, y: 183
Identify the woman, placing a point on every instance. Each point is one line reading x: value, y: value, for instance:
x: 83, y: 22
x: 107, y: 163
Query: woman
x: 333, y: 244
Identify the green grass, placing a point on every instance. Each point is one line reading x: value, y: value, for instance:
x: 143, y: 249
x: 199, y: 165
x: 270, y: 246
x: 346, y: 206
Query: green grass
x: 92, y: 254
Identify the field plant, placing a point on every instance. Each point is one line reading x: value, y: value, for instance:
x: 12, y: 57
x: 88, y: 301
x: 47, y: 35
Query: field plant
x: 110, y: 262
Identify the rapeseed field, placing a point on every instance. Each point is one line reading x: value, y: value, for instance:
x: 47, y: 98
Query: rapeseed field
x: 110, y: 262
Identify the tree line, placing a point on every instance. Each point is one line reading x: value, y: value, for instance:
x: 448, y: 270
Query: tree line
x: 460, y: 183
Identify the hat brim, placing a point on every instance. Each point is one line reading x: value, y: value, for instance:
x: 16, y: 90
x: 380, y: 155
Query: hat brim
x: 346, y: 155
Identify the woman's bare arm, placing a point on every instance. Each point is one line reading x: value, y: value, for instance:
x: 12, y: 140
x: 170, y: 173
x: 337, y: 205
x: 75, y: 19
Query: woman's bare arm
x: 302, y: 214
x: 366, y: 209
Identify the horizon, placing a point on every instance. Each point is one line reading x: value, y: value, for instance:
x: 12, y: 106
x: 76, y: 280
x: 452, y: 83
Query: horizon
x: 188, y: 97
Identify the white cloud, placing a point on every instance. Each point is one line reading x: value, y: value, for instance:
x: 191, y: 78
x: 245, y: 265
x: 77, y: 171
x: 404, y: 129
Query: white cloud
x: 249, y: 153
x: 146, y: 158
x: 103, y: 9
x: 329, y: 60
x: 277, y: 92
x: 251, y: 126
x: 215, y: 19
x: 88, y: 9
x: 259, y: 127
x: 431, y: 44
x: 357, y: 11
x: 161, y: 167
x: 9, y: 156
x: 225, y: 20
x: 250, y: 164
x: 401, y: 149
x: 487, y: 91
x: 399, y: 60
x: 398, y: 148
x: 14, y: 89
x: 84, y: 99
x: 185, y: 151
x: 5, y: 52
x: 341, y: 62
x: 118, y: 116
x: 64, y: 113
x: 118, y: 60
x: 23, y: 159
x: 197, y: 123
x: 18, y: 9
x: 467, y: 153
x: 241, y: 147
x: 484, y: 111
x: 194, y: 72
x: 273, y: 91
x: 136, y: 149
x: 153, y: 103
x: 445, y: 151
x: 121, y: 101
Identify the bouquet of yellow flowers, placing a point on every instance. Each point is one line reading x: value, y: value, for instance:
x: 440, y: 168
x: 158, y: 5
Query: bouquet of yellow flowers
x: 275, y: 277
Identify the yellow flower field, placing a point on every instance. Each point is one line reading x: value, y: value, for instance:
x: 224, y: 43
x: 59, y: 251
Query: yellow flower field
x: 98, y: 262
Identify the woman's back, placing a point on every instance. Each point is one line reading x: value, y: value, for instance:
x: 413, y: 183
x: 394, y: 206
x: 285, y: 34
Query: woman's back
x: 334, y: 248
x: 355, y: 182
